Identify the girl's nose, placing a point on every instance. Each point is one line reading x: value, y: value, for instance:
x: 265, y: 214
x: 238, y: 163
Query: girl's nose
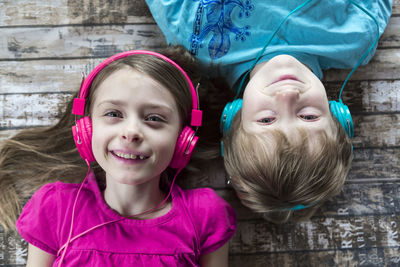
x: 132, y: 133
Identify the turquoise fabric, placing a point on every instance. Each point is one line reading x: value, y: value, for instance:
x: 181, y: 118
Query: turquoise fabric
x: 226, y: 36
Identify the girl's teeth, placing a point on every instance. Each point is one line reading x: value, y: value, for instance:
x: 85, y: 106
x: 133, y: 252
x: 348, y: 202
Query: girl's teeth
x: 129, y: 156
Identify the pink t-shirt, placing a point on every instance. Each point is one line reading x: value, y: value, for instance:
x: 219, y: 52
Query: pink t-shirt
x: 198, y: 223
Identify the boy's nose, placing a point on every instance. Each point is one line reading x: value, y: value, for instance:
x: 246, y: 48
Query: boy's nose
x: 288, y: 96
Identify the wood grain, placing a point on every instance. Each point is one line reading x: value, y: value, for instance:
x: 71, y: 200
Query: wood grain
x: 67, y: 12
x: 77, y: 41
x: 49, y: 75
x: 27, y: 42
x: 368, y: 96
x: 347, y: 257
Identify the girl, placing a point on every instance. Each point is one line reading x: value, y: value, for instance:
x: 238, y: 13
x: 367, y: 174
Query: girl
x: 128, y: 211
x: 285, y: 147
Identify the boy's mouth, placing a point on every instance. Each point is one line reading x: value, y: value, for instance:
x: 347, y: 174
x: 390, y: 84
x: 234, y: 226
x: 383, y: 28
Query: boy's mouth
x: 286, y: 77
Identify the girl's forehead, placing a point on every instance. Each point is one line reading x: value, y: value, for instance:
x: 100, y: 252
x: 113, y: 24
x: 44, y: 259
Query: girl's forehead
x: 129, y: 85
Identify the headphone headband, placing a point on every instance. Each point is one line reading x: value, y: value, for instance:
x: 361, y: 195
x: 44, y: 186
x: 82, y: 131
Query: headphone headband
x: 79, y: 103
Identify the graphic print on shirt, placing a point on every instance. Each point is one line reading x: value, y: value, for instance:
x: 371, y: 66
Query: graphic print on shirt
x: 218, y: 14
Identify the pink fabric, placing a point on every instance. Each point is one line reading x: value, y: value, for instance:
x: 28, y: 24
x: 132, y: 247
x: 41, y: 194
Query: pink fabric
x: 198, y: 223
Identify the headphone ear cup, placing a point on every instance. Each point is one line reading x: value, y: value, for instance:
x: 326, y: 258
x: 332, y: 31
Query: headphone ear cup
x: 342, y: 114
x: 82, y: 133
x: 184, y: 148
x: 230, y: 110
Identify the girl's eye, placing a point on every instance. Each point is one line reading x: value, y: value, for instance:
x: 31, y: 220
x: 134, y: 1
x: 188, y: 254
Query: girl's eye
x: 113, y: 114
x: 309, y: 117
x: 155, y: 118
x: 267, y: 120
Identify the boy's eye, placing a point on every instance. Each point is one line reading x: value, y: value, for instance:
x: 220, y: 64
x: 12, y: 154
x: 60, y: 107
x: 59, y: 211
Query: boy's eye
x: 113, y: 114
x: 267, y: 120
x: 309, y: 117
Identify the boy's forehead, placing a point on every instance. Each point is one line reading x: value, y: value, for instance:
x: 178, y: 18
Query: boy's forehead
x: 295, y: 135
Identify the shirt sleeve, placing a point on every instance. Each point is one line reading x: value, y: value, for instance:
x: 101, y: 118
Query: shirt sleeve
x: 37, y: 221
x: 216, y: 221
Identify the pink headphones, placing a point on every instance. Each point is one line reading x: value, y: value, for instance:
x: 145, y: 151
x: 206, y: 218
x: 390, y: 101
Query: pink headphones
x: 82, y: 131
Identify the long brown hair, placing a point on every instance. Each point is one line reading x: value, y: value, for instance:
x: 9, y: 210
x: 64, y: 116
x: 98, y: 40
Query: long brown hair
x: 34, y: 157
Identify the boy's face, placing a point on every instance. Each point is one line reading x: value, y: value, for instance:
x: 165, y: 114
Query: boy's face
x: 284, y: 94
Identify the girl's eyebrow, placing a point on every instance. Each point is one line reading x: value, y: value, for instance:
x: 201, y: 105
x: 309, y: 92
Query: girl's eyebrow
x: 113, y: 102
x: 149, y: 105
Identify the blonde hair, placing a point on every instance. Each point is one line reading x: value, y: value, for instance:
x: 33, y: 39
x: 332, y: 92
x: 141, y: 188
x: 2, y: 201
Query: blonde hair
x: 272, y: 175
x: 34, y: 157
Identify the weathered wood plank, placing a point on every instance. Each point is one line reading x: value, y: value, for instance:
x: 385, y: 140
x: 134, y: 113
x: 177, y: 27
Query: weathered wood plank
x: 368, y: 96
x: 103, y: 40
x: 65, y: 75
x: 44, y: 75
x: 375, y: 164
x: 31, y: 109
x: 376, y: 130
x: 391, y: 36
x: 396, y: 7
x: 62, y: 12
x: 77, y: 41
x: 350, y: 258
x: 347, y: 257
x: 361, y: 232
x: 13, y: 250
x: 383, y: 66
x: 56, y: 12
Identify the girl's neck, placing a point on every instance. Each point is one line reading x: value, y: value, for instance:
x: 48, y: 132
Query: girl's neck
x: 128, y: 200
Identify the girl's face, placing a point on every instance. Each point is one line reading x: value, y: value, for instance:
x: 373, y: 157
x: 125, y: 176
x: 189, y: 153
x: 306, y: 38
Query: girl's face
x: 284, y: 94
x: 135, y: 127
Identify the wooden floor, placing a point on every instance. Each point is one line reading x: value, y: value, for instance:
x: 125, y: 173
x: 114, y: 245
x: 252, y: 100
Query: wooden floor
x: 45, y: 46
